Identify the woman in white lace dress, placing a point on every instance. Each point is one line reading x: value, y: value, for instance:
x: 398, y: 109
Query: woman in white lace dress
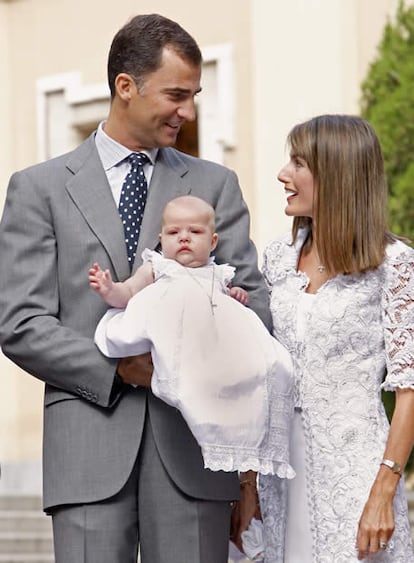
x: 342, y: 300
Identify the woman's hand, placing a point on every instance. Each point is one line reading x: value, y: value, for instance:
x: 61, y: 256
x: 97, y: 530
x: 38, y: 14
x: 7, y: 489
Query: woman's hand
x: 376, y: 525
x: 377, y: 520
x: 245, y: 509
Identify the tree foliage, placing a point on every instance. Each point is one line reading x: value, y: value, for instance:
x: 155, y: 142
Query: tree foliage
x: 387, y: 102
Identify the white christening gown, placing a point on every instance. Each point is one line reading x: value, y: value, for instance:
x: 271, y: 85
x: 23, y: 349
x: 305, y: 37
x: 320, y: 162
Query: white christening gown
x: 214, y: 360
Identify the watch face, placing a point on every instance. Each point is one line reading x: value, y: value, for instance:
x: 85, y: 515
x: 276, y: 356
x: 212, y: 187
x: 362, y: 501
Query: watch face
x: 393, y: 465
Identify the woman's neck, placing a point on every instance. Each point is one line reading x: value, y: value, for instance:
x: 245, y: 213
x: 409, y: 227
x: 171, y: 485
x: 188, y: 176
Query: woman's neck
x: 311, y: 265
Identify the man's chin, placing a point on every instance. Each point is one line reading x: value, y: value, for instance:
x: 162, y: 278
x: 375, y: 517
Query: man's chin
x: 169, y: 142
x: 170, y: 137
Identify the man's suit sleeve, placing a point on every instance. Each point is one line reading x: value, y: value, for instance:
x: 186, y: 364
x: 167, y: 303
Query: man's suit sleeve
x: 32, y: 333
x: 236, y: 247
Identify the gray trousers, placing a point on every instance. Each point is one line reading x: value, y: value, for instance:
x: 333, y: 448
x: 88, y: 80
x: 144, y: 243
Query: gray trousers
x: 150, y: 511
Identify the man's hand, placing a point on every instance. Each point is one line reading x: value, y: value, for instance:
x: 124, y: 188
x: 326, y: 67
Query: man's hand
x: 136, y: 370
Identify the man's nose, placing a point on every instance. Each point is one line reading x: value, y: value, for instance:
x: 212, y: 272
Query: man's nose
x: 187, y: 110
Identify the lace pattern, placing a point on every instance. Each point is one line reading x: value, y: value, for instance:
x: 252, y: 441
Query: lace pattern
x: 359, y: 328
x: 399, y: 318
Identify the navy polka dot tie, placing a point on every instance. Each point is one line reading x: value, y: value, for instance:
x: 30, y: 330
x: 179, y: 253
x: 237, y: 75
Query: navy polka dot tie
x: 132, y: 202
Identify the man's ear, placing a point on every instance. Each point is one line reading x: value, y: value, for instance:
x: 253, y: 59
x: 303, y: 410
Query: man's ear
x: 214, y: 241
x: 125, y: 86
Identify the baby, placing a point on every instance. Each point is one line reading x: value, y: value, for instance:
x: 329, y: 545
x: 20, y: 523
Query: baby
x: 213, y: 358
x: 187, y: 236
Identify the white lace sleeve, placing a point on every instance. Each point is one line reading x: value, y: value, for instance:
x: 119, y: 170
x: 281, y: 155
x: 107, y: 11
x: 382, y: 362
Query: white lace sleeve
x: 224, y: 274
x: 398, y: 320
x: 266, y: 268
x: 159, y: 263
x: 279, y: 257
x: 271, y: 257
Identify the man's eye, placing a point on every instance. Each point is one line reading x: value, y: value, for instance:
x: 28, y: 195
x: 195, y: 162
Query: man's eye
x: 176, y: 96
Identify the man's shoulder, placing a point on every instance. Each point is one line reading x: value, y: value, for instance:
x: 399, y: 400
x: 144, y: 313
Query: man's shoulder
x: 72, y: 159
x: 176, y: 157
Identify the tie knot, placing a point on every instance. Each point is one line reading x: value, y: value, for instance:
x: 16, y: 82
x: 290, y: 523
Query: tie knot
x: 138, y: 158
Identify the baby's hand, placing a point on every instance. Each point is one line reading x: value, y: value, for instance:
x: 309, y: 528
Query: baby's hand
x: 100, y: 280
x: 239, y: 294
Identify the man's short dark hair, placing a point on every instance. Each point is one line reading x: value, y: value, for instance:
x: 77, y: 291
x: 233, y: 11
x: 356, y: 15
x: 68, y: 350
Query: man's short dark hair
x: 137, y: 47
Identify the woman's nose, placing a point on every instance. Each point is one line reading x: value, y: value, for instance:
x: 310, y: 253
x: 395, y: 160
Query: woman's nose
x: 283, y: 175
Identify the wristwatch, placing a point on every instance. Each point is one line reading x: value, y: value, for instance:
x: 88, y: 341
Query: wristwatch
x: 393, y: 465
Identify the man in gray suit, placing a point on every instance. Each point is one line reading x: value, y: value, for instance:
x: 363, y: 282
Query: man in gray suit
x: 121, y: 468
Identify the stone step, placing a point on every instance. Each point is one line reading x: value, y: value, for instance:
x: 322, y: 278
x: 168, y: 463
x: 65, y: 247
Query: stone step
x: 26, y: 543
x: 26, y: 558
x: 25, y: 521
x: 20, y: 502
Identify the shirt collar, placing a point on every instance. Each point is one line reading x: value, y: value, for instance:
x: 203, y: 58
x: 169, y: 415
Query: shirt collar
x: 112, y: 153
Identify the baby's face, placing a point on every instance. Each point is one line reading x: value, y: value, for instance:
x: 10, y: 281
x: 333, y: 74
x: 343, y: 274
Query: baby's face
x: 187, y: 236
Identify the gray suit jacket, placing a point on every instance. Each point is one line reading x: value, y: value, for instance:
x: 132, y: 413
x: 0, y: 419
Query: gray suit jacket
x: 58, y: 219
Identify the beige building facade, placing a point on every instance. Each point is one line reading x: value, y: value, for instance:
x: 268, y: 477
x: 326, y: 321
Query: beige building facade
x: 267, y: 65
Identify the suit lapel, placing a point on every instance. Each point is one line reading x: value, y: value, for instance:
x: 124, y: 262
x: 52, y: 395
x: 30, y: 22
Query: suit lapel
x: 169, y: 180
x: 91, y: 193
